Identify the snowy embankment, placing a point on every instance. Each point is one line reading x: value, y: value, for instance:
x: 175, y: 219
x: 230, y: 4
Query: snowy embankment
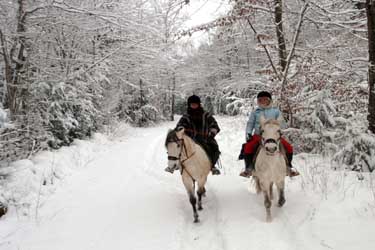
x: 113, y: 194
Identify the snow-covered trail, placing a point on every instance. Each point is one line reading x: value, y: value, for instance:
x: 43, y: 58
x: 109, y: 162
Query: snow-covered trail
x: 124, y: 200
x: 115, y: 202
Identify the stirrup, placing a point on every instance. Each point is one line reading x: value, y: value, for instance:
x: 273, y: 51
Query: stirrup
x: 215, y: 171
x: 246, y: 173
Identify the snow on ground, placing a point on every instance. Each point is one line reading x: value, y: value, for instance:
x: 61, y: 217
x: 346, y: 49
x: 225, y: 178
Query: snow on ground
x: 112, y: 193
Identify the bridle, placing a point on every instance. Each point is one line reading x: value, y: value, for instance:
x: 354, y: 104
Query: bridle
x: 180, y: 143
x: 271, y: 140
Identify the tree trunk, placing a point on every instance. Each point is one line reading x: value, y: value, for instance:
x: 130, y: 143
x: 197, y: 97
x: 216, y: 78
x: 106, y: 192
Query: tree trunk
x: 142, y: 100
x: 173, y: 96
x: 280, y: 33
x: 370, y: 9
x: 14, y: 68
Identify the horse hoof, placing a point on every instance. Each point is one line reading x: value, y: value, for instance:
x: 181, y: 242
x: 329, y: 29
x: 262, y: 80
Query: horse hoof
x: 281, y: 203
x: 196, y: 220
x: 200, y: 208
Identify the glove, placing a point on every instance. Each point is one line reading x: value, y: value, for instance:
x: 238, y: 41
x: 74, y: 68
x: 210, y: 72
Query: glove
x: 248, y: 137
x: 212, y: 133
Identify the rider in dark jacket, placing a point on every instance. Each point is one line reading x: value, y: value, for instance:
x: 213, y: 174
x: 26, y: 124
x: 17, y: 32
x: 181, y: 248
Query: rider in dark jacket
x: 202, y: 127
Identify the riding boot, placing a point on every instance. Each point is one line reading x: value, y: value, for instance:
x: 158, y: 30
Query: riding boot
x: 291, y: 171
x: 215, y: 157
x: 241, y: 156
x: 249, y: 165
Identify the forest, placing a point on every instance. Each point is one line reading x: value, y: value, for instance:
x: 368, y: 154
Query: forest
x: 69, y: 69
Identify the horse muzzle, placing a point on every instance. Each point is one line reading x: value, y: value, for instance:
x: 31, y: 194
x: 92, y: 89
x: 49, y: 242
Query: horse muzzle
x: 270, y: 145
x: 271, y: 148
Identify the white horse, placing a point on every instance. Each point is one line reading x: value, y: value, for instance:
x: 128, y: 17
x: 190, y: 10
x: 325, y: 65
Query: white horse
x: 193, y: 162
x: 270, y: 164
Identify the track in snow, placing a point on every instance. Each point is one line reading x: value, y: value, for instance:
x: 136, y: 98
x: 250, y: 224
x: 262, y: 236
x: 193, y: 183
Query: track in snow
x: 123, y: 199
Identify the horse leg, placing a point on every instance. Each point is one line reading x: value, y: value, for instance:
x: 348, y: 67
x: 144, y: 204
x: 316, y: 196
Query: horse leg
x: 282, y: 200
x: 257, y: 185
x: 204, y: 191
x: 190, y: 188
x: 193, y: 202
x: 267, y: 204
x: 271, y: 191
x: 200, y: 193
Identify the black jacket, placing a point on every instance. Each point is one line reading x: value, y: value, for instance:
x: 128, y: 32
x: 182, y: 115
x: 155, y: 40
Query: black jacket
x: 198, y: 129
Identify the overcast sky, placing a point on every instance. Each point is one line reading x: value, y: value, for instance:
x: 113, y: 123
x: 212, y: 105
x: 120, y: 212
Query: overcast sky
x: 203, y: 11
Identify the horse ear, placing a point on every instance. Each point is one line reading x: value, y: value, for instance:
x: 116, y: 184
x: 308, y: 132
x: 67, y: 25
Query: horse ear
x: 262, y: 120
x: 180, y: 131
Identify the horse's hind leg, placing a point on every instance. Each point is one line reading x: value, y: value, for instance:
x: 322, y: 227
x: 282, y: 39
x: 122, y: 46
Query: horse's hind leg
x: 280, y: 188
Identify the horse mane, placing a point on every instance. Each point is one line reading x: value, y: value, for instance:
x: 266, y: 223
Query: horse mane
x: 171, y: 136
x: 273, y: 122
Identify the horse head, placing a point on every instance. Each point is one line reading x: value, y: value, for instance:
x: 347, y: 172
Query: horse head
x: 271, y: 134
x: 174, y: 144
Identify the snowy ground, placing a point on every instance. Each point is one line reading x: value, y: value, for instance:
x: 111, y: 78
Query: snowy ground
x: 113, y: 194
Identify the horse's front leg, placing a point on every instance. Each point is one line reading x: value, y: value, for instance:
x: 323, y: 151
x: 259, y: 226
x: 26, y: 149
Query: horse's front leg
x: 190, y: 188
x: 201, y: 192
x: 193, y: 202
x: 282, y: 200
x: 258, y: 187
x: 267, y: 204
x: 271, y: 191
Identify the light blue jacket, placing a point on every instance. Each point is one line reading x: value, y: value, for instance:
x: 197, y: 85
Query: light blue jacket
x: 254, y: 120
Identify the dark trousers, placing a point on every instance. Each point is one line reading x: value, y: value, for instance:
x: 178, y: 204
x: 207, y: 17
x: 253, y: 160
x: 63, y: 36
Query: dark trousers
x: 211, y: 147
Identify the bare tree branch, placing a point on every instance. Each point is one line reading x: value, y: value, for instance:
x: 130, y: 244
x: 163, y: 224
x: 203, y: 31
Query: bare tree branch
x: 265, y: 49
x: 291, y: 53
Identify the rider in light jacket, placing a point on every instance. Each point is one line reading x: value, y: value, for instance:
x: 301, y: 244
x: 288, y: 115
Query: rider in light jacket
x: 253, y: 136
